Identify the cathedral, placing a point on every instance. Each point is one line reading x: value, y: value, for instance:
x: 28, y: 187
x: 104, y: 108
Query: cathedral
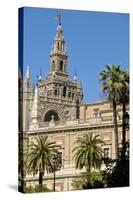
x: 54, y: 107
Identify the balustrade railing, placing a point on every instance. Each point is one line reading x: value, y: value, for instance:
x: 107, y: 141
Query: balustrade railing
x: 89, y: 121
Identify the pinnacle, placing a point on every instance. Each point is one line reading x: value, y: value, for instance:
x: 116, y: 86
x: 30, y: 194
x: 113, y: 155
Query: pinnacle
x: 28, y: 72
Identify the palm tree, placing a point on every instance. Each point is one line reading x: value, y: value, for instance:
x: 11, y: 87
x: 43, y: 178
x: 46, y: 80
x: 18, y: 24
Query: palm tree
x: 124, y: 101
x: 110, y: 82
x: 88, y: 152
x: 40, y: 156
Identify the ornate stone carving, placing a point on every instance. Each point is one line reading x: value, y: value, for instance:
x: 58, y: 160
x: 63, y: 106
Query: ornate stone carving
x: 59, y: 109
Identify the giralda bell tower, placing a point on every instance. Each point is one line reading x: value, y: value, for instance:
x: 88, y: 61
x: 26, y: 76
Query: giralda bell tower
x: 59, y: 96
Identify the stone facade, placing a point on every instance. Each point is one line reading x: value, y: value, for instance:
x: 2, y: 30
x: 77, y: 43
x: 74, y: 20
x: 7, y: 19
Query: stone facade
x: 55, y: 108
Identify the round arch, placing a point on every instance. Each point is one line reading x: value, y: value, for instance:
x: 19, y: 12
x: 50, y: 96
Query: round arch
x: 51, y: 114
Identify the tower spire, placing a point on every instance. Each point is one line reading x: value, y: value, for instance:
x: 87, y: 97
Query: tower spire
x: 58, y: 54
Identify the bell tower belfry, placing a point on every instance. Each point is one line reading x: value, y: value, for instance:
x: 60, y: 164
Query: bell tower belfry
x: 60, y: 97
x: 58, y: 54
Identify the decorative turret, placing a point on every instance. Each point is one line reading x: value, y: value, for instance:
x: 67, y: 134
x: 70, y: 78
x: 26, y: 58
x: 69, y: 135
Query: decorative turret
x: 27, y: 80
x: 20, y: 100
x: 32, y: 91
x: 75, y: 77
x: 28, y: 72
x: 26, y: 100
x: 20, y: 82
x: 35, y: 112
x: 58, y: 54
x: 19, y: 74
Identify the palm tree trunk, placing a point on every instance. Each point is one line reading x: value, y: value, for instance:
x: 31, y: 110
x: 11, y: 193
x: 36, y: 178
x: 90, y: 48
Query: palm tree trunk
x: 123, y: 132
x: 40, y: 178
x: 115, y: 130
x: 89, y: 167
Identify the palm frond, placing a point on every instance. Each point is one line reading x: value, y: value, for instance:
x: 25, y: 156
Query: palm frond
x: 88, y: 151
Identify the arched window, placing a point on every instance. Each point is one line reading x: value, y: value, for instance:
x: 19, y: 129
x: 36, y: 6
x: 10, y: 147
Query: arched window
x: 64, y: 92
x: 53, y: 65
x: 56, y: 92
x: 61, y: 65
x: 69, y: 94
x: 58, y: 45
x: 72, y: 95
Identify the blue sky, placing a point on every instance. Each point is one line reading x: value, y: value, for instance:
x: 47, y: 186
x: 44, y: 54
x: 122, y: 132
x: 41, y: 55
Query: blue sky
x: 93, y: 39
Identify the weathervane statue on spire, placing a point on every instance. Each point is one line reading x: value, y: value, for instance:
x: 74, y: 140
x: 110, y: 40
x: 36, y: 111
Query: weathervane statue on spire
x: 58, y: 17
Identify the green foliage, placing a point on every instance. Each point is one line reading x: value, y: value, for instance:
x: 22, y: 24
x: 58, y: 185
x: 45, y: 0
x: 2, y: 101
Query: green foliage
x: 110, y: 80
x: 123, y: 87
x: 88, y: 152
x: 115, y: 85
x: 117, y: 176
x: 29, y: 189
x: 37, y: 188
x: 40, y: 156
x: 89, y: 180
